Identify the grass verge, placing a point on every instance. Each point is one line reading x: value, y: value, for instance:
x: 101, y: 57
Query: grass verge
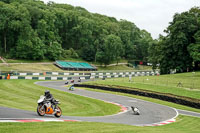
x: 173, y: 105
x: 29, y: 67
x: 148, y: 83
x: 184, y: 124
x: 35, y: 67
x: 122, y: 67
x: 23, y: 94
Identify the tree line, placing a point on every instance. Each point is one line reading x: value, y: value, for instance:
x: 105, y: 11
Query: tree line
x: 31, y: 29
x: 180, y: 49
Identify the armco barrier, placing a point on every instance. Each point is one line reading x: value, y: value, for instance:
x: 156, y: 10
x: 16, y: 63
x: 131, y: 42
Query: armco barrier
x: 195, y: 103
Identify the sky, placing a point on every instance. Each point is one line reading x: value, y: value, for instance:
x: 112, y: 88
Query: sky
x: 152, y: 15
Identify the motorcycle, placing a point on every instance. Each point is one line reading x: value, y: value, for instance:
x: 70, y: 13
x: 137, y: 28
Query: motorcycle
x: 135, y: 110
x: 45, y: 107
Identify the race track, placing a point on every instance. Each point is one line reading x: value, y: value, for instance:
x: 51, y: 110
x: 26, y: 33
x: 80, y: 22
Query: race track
x: 151, y: 113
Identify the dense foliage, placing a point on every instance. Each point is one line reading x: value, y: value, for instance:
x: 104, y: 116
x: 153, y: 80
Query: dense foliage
x: 30, y: 29
x: 180, y: 49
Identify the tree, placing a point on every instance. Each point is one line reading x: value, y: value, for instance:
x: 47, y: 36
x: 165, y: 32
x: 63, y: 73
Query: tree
x: 112, y: 50
x: 154, y: 53
x: 7, y: 19
x: 30, y: 29
x: 180, y: 47
x: 29, y: 45
x: 194, y: 50
x: 54, y: 51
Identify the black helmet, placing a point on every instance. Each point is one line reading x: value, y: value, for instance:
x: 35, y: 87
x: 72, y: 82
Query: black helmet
x: 47, y: 92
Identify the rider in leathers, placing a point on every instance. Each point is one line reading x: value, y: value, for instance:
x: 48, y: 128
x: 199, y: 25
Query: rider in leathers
x: 49, y: 97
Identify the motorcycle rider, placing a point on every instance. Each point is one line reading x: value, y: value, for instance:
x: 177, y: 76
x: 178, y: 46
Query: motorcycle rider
x: 135, y: 110
x: 49, y: 97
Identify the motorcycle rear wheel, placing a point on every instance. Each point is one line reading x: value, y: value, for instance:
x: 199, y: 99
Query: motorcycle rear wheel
x: 40, y: 111
x: 59, y: 112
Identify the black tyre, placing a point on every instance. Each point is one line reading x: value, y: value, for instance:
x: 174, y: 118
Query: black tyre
x: 40, y: 110
x: 59, y: 112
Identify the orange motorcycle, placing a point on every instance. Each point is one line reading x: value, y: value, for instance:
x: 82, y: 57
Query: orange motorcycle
x: 45, y: 107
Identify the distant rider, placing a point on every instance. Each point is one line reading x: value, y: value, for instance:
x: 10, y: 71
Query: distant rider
x: 49, y: 97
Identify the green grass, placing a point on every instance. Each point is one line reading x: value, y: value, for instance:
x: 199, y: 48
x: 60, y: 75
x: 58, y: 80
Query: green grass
x: 113, y: 62
x: 122, y: 67
x: 40, y: 61
x: 46, y: 60
x: 29, y: 67
x: 188, y: 80
x: 163, y: 84
x: 23, y: 94
x: 51, y: 67
x: 184, y: 124
x: 26, y: 61
x: 170, y: 104
x: 118, y: 67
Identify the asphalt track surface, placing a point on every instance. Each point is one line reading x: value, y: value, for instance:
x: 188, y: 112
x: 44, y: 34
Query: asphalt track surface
x: 151, y: 113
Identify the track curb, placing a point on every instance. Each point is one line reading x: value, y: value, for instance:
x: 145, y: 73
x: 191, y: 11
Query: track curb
x: 162, y: 123
x: 26, y: 120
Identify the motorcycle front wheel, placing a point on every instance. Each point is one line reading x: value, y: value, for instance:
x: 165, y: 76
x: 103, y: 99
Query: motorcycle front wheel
x: 58, y: 112
x: 41, y: 110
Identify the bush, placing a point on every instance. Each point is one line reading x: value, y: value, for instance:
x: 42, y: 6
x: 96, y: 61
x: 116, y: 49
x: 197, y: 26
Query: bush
x: 130, y: 65
x: 70, y: 53
x: 54, y: 51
